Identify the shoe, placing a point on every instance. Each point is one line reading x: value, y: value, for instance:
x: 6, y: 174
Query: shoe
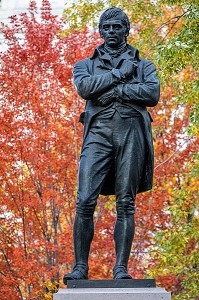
x: 78, y: 273
x: 120, y: 272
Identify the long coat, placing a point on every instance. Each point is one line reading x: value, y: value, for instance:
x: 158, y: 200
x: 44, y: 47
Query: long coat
x: 94, y: 75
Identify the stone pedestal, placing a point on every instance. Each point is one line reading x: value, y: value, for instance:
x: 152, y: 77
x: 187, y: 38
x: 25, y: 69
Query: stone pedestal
x: 123, y: 289
x: 112, y: 294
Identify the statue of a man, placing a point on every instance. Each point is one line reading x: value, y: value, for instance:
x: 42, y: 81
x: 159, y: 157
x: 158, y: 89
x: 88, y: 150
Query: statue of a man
x: 117, y: 151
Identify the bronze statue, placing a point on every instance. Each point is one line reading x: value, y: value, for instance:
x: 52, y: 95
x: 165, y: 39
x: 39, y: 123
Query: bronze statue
x: 117, y: 151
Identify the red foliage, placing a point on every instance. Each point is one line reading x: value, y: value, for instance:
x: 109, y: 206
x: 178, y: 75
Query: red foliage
x: 40, y: 142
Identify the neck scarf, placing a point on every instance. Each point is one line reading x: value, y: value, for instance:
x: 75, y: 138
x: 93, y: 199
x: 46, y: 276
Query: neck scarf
x: 116, y: 52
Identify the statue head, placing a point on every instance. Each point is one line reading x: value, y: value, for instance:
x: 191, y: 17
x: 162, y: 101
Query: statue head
x: 114, y: 13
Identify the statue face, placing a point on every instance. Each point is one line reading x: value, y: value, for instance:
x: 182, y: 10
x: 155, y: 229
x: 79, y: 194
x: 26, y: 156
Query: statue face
x: 113, y: 32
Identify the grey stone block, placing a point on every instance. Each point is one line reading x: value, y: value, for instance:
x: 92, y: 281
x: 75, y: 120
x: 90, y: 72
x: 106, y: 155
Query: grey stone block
x: 113, y: 294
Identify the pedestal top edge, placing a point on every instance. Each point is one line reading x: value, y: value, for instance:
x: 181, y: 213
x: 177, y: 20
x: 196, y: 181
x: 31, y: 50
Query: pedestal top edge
x: 113, y: 291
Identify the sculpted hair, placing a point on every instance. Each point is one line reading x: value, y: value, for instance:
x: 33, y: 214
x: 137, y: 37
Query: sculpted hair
x: 112, y: 13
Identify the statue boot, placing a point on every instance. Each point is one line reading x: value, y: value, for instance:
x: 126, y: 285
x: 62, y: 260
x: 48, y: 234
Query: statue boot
x: 123, y: 237
x: 83, y: 234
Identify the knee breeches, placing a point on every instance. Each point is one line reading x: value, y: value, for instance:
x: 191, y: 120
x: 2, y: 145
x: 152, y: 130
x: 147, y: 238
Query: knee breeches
x: 119, y: 142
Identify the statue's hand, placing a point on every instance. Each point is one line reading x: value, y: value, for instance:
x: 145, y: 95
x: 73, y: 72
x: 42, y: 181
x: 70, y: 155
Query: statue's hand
x: 128, y: 68
x: 105, y: 99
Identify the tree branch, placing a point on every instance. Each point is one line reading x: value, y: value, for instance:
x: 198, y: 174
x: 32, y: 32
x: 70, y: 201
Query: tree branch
x: 172, y: 21
x: 173, y: 154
